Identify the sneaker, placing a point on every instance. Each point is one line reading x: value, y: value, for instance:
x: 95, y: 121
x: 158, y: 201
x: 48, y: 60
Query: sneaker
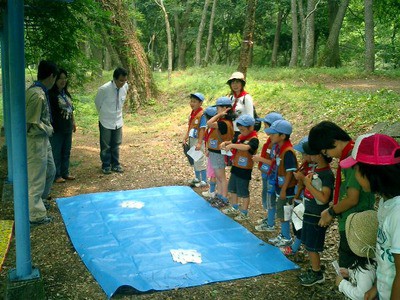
x: 218, y: 203
x: 118, y: 169
x: 106, y: 170
x: 59, y: 180
x: 260, y: 221
x: 241, y: 217
x: 276, y: 239
x: 310, y: 278
x: 230, y: 211
x: 43, y: 221
x: 284, y: 242
x: 201, y: 184
x: 265, y: 227
x: 208, y: 194
x: 287, y: 250
x: 192, y: 182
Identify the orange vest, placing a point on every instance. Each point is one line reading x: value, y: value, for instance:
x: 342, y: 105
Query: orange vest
x: 216, y: 138
x: 195, y: 124
x: 281, y: 169
x: 243, y: 159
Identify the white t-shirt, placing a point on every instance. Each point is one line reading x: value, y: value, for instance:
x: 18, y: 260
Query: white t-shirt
x: 360, y: 282
x: 388, y: 243
x: 241, y: 108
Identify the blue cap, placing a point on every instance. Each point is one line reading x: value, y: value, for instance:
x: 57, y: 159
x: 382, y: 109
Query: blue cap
x: 199, y: 96
x: 280, y: 126
x: 245, y: 120
x: 299, y: 146
x: 271, y: 117
x: 223, y: 101
x: 210, y: 111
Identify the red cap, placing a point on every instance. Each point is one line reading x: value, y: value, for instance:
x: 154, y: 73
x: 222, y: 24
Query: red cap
x: 373, y: 149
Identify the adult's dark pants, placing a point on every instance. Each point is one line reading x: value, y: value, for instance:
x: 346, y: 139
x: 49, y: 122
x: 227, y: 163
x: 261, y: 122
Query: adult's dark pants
x: 61, y: 144
x: 110, y: 140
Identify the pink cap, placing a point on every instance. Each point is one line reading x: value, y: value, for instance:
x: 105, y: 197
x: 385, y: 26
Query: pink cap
x: 373, y: 149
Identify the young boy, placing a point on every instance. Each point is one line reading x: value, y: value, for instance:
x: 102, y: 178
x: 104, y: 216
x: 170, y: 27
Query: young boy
x: 268, y: 195
x: 243, y: 148
x: 285, y: 162
x: 194, y: 137
x: 376, y: 161
x: 332, y: 141
x: 315, y: 201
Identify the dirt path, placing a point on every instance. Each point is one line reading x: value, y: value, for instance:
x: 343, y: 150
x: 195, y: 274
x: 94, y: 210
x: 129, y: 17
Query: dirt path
x: 368, y: 84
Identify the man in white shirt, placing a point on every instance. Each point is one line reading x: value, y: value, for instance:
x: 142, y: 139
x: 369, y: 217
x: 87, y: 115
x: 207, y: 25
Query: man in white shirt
x: 109, y: 102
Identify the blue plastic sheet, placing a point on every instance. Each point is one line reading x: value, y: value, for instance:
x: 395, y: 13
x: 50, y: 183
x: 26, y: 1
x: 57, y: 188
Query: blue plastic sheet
x: 124, y: 244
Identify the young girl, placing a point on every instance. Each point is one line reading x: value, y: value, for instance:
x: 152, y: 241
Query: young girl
x: 316, y: 200
x: 376, y: 158
x: 221, y: 129
x: 361, y: 231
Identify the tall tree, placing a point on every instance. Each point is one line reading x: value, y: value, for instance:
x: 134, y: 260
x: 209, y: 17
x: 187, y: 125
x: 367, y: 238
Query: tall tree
x: 295, y: 35
x: 369, y: 36
x: 131, y: 54
x: 200, y: 32
x: 248, y: 34
x: 330, y: 56
x: 309, y: 45
x: 160, y: 3
x: 275, y: 47
x: 210, y: 32
x: 181, y: 21
x: 302, y: 17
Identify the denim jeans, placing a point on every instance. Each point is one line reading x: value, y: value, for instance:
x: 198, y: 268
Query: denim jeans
x: 61, y: 145
x: 110, y: 140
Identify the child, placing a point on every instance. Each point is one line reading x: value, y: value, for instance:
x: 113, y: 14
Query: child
x: 285, y: 162
x: 209, y: 112
x: 315, y: 199
x: 243, y: 148
x: 268, y: 196
x: 361, y: 229
x: 194, y: 137
x: 376, y: 160
x: 306, y: 167
x: 221, y: 129
x: 331, y: 140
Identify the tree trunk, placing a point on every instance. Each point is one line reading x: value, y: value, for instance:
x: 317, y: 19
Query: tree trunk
x: 210, y: 32
x: 295, y: 36
x: 310, y: 35
x: 200, y: 33
x: 248, y: 34
x: 369, y: 36
x: 169, y: 39
x: 331, y: 56
x: 275, y: 47
x: 181, y: 23
x: 303, y: 30
x: 132, y: 55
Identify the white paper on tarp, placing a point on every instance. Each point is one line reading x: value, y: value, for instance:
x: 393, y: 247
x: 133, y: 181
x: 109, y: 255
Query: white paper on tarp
x: 297, y: 216
x: 196, y: 155
x: 185, y: 256
x: 287, y: 212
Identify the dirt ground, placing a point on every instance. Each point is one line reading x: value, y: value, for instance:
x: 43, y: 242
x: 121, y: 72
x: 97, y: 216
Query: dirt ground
x: 151, y: 158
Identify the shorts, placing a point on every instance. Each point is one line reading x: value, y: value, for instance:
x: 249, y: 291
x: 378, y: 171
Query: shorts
x: 210, y: 170
x: 346, y: 256
x: 239, y: 186
x: 312, y: 235
x: 217, y: 160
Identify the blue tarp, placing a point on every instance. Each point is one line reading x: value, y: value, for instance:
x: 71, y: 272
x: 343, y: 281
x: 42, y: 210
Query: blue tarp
x: 124, y: 238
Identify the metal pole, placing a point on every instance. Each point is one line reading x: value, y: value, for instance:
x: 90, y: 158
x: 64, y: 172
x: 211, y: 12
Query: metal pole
x: 6, y: 94
x: 18, y: 129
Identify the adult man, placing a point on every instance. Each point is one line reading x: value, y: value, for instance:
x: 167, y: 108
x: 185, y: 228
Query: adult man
x: 109, y: 102
x: 41, y: 168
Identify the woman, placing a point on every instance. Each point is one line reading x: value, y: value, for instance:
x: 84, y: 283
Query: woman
x: 242, y: 102
x: 64, y: 125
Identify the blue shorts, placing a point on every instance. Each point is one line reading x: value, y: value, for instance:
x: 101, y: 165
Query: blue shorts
x: 239, y: 186
x: 312, y: 235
